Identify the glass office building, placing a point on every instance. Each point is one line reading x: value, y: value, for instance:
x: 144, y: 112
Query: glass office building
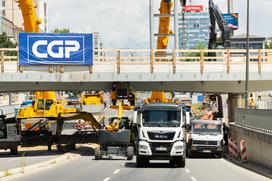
x: 196, y: 30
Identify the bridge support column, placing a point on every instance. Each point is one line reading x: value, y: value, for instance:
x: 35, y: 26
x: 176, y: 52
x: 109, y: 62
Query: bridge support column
x: 234, y: 101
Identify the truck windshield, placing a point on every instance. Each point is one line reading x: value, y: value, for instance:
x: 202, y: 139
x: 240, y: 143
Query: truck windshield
x: 161, y: 118
x: 206, y: 128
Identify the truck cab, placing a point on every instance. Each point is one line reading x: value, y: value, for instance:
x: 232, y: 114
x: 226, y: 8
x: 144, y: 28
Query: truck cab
x: 161, y: 134
x: 9, y: 134
x: 205, y: 136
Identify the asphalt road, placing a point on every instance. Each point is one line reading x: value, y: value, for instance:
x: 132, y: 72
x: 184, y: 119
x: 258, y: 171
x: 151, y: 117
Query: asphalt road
x: 29, y: 157
x: 201, y: 169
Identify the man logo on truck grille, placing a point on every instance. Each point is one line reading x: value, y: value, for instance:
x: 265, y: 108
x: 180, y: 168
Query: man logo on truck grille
x: 161, y: 136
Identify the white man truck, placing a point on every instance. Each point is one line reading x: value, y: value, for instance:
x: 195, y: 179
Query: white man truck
x: 205, y: 136
x: 9, y: 134
x: 161, y: 134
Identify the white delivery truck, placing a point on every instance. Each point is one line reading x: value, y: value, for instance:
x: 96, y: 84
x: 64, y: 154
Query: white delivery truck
x: 161, y: 134
x: 205, y: 136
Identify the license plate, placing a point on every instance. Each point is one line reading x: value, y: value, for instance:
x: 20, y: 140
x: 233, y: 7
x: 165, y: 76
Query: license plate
x: 161, y: 149
x: 206, y: 151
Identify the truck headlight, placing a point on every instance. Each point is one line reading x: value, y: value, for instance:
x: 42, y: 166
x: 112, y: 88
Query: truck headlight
x: 143, y: 145
x: 179, y: 145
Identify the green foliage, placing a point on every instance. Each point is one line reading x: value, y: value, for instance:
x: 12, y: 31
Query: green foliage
x: 268, y: 45
x: 5, y: 42
x: 61, y: 30
x: 199, y: 46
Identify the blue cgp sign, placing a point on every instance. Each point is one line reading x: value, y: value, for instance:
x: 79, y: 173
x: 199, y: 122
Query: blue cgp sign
x: 55, y: 49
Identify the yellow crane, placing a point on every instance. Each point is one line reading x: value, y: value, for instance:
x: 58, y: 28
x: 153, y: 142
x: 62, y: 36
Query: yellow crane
x: 162, y: 44
x: 45, y: 104
x: 164, y: 24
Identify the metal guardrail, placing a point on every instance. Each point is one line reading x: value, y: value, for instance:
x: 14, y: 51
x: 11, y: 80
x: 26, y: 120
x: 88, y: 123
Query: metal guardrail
x: 258, y: 119
x: 151, y: 58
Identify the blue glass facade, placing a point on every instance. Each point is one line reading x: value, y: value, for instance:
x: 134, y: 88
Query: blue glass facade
x: 196, y: 30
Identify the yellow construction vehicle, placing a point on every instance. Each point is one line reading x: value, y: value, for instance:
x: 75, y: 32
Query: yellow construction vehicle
x: 158, y: 96
x: 92, y: 99
x: 34, y: 117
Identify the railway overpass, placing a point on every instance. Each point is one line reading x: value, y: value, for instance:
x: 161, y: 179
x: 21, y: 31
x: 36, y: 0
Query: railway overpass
x: 181, y: 70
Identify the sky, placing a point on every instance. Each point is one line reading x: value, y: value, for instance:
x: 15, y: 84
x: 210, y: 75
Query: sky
x: 125, y: 23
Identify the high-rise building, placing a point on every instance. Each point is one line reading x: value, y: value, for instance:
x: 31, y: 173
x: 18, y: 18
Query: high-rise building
x: 194, y: 30
x: 11, y: 19
x: 97, y: 44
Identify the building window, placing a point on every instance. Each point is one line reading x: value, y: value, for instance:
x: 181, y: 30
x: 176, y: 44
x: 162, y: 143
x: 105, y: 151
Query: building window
x: 3, y: 3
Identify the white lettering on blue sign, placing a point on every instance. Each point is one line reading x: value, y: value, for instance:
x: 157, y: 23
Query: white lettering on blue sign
x: 72, y: 46
x: 55, y: 49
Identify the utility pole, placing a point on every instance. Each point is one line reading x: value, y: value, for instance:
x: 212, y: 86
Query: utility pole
x: 176, y: 46
x: 151, y: 23
x: 230, y: 6
x: 247, y: 58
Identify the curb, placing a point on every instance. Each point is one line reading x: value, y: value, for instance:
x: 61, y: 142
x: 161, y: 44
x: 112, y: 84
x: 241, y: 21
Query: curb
x: 18, y: 172
x: 247, y: 166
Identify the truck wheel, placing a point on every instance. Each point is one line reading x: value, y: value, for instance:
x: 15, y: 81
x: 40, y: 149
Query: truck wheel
x: 180, y: 161
x: 141, y: 161
x: 14, y: 150
x: 130, y: 152
x: 97, y: 153
x: 220, y: 155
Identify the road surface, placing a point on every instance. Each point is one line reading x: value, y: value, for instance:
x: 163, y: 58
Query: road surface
x: 29, y: 157
x: 200, y: 169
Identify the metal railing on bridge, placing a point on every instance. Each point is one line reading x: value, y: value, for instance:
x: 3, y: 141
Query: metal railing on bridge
x: 172, y: 61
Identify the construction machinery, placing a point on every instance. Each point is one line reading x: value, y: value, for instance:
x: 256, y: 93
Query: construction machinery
x: 217, y: 17
x: 92, y: 99
x: 158, y: 96
x: 93, y: 102
x: 33, y: 118
x: 9, y: 134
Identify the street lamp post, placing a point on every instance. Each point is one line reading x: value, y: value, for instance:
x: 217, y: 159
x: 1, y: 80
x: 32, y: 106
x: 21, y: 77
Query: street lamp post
x: 247, y: 58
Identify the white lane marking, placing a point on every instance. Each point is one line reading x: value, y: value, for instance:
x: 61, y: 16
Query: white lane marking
x: 116, y: 171
x: 106, y: 179
x: 187, y: 170
x: 13, y: 159
x: 193, y: 178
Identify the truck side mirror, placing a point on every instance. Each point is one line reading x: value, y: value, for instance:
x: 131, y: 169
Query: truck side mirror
x: 135, y: 113
x: 188, y: 121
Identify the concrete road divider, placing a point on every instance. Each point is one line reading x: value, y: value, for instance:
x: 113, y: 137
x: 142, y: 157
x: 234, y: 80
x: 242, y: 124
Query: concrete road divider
x: 24, y: 170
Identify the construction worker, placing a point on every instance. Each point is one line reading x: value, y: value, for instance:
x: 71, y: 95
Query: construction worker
x: 251, y: 102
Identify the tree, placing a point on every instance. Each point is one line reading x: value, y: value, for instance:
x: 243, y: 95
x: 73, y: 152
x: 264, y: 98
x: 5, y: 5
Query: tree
x: 61, y: 30
x: 5, y: 42
x: 268, y: 45
x: 199, y: 46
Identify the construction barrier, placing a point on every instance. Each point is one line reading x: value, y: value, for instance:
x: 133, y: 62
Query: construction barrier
x: 233, y: 148
x: 243, y: 151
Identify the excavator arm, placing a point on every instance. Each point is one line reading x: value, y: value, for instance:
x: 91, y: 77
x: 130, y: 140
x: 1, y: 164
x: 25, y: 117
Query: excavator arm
x: 216, y: 17
x: 31, y: 21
